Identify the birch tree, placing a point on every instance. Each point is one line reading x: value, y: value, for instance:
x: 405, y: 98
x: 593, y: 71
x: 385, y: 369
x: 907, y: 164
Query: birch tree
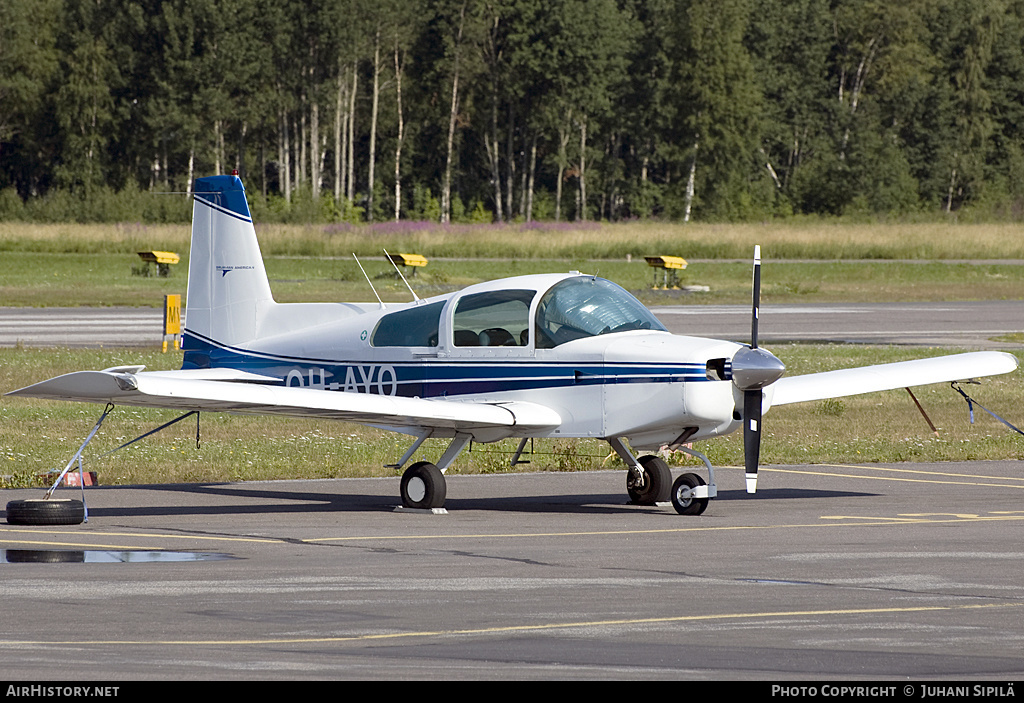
x: 719, y: 105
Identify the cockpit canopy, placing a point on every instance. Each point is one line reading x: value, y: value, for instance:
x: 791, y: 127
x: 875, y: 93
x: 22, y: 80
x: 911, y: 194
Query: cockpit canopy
x: 588, y: 306
x: 573, y: 308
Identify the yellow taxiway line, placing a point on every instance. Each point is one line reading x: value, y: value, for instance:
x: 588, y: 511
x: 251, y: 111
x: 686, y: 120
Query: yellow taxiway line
x: 976, y: 480
x: 511, y: 629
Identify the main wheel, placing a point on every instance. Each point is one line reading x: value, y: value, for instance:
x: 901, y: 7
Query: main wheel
x: 657, y: 482
x: 682, y: 500
x: 45, y: 511
x: 423, y: 486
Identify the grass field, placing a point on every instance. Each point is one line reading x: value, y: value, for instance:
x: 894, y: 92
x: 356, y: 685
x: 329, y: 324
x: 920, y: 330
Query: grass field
x: 811, y: 261
x: 787, y: 240
x: 61, y: 279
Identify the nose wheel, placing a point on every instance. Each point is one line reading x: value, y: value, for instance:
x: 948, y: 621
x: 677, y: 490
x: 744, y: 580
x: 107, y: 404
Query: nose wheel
x: 684, y: 498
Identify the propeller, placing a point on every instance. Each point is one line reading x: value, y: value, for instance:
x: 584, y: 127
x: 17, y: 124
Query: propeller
x: 753, y: 369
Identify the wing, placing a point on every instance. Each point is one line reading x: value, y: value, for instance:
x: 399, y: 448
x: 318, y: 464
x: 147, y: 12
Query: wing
x: 868, y: 379
x: 226, y: 390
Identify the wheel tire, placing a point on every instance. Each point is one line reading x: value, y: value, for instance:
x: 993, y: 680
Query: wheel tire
x: 657, y: 482
x: 423, y: 486
x: 681, y: 501
x: 43, y: 511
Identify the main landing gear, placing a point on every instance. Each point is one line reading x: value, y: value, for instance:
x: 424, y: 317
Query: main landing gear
x: 423, y: 486
x: 652, y: 485
x: 649, y: 481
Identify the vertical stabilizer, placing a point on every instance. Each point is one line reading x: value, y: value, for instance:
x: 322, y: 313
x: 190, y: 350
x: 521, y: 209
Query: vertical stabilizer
x: 228, y: 290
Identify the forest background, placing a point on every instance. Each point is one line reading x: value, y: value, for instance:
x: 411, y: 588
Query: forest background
x: 502, y: 110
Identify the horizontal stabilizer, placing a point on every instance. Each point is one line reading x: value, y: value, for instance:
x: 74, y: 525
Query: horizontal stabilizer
x: 883, y: 377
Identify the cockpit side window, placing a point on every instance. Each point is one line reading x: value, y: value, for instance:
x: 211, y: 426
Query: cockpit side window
x: 495, y: 319
x: 413, y: 327
x: 586, y: 307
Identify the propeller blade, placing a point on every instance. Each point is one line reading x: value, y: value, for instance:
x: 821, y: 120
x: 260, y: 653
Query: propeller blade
x: 756, y: 368
x: 751, y: 436
x: 755, y: 296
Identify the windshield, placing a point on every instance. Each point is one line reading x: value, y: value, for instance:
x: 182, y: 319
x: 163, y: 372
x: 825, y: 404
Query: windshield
x: 587, y: 307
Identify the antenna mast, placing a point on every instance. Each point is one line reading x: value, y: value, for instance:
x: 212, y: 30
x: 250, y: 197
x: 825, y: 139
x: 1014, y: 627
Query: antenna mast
x: 414, y: 296
x: 382, y: 305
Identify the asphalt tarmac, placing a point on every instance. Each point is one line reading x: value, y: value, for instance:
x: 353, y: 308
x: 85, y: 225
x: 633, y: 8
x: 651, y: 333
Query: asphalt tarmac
x: 878, y: 572
x: 970, y: 324
x: 973, y: 324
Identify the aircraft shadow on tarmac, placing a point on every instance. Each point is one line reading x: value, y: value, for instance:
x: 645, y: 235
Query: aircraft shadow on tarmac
x: 270, y: 501
x: 594, y: 503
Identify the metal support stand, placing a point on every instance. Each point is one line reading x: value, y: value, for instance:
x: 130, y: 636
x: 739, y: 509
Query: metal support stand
x: 77, y: 458
x: 78, y: 455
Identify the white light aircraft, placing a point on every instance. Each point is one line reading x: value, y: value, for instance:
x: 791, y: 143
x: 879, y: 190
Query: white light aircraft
x: 566, y: 355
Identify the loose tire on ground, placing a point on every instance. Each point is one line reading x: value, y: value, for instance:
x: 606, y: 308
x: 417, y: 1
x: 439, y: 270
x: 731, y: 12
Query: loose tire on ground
x: 682, y: 501
x: 657, y: 482
x: 423, y: 486
x: 43, y: 511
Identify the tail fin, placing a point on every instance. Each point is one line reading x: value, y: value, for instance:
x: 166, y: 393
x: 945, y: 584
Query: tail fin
x: 228, y: 289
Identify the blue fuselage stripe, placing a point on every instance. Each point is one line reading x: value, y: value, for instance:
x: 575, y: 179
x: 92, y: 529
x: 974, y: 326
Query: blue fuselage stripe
x: 430, y: 379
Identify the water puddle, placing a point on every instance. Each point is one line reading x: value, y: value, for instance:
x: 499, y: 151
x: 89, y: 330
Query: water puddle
x: 102, y: 556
